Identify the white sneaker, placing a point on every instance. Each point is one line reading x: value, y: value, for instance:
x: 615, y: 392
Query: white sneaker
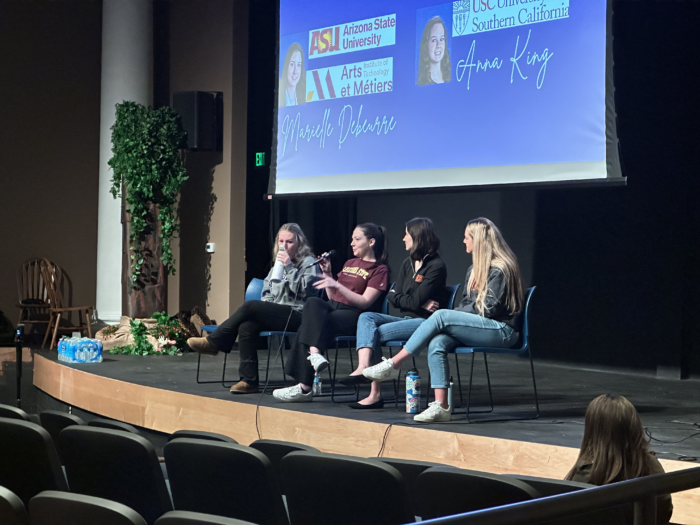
x: 384, y: 371
x: 434, y: 414
x: 319, y: 363
x: 293, y: 394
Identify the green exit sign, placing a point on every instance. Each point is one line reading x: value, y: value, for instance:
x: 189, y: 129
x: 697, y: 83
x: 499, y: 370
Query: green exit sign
x: 259, y: 159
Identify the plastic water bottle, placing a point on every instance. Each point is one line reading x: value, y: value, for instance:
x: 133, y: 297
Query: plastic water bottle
x: 317, y: 387
x: 278, y: 269
x: 412, y: 392
x: 449, y: 395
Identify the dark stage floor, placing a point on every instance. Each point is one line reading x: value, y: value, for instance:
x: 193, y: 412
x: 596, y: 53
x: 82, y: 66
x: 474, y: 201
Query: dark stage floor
x: 670, y: 409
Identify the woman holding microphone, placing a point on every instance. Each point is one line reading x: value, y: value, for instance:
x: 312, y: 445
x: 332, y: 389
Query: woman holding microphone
x: 360, y: 286
x: 419, y: 291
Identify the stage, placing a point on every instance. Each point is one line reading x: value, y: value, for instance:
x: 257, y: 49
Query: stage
x: 161, y: 394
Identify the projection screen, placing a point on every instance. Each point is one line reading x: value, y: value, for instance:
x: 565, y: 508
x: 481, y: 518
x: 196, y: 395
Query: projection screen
x: 400, y: 94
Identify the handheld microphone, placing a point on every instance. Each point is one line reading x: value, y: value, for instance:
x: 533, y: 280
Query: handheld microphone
x: 321, y: 257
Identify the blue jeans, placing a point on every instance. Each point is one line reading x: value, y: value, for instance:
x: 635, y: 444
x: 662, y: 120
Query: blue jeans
x: 373, y: 329
x: 445, y: 330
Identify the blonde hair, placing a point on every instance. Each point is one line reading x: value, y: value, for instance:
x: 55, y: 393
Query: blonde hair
x: 303, y: 248
x: 491, y: 251
x: 613, y: 442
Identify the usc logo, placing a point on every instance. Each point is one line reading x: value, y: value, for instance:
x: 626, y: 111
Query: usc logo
x: 483, y: 5
x: 323, y: 41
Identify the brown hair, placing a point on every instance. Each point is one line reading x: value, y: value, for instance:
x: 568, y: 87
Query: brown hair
x: 303, y: 248
x: 424, y: 59
x: 301, y: 85
x: 425, y: 240
x: 613, y: 442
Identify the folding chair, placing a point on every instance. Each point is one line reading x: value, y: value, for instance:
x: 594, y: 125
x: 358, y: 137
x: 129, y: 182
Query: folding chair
x: 525, y: 347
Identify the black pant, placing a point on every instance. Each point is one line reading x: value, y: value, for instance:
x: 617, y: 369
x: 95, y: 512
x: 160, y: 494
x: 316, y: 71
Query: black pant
x: 246, y: 324
x: 321, y: 321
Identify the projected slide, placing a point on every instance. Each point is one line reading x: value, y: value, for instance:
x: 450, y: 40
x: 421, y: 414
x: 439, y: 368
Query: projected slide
x: 379, y: 94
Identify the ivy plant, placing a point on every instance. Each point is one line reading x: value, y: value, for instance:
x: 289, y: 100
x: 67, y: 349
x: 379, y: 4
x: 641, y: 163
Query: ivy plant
x: 148, y: 169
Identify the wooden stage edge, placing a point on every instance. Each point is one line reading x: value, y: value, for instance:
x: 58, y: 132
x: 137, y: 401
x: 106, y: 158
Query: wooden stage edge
x: 167, y: 411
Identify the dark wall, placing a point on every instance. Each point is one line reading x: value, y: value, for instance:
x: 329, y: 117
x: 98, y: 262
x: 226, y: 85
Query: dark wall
x: 619, y: 267
x: 49, y: 161
x: 616, y: 267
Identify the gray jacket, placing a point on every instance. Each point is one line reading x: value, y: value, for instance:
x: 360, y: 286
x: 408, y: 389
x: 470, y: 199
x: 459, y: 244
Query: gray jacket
x: 295, y: 286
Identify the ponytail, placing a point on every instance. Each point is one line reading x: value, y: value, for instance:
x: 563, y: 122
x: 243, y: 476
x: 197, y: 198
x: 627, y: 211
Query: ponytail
x: 381, y: 241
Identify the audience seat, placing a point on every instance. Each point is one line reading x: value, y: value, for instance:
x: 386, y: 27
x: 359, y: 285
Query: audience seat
x: 11, y: 412
x: 115, y: 465
x: 330, y: 488
x: 276, y: 450
x: 54, y: 421
x: 551, y: 487
x: 444, y: 491
x: 224, y: 479
x: 181, y: 517
x: 197, y: 434
x: 63, y: 508
x: 12, y: 510
x: 114, y: 425
x: 410, y: 470
x: 28, y: 460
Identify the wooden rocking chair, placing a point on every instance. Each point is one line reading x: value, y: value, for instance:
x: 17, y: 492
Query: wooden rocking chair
x: 52, y: 279
x: 32, y: 294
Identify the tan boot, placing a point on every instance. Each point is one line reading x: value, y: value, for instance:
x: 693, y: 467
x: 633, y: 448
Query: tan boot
x: 244, y: 388
x: 202, y: 345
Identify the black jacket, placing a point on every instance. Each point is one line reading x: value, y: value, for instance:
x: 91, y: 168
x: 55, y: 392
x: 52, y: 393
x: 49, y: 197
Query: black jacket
x: 413, y: 289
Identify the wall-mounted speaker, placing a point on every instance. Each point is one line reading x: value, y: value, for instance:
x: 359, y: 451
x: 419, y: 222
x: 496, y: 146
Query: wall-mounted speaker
x: 202, y: 118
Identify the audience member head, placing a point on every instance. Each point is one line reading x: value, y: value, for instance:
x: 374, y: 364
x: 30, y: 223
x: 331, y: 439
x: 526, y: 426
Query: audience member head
x: 370, y: 236
x: 423, y: 238
x: 295, y: 244
x: 613, y: 442
x: 489, y: 249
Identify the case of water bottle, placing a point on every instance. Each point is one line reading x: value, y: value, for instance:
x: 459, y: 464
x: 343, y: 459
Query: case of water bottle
x: 80, y: 350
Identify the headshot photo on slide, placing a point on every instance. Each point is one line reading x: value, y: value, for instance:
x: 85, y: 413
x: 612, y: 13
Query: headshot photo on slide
x: 292, y: 89
x: 433, y: 45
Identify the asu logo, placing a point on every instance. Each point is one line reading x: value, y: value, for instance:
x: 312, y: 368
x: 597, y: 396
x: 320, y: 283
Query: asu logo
x: 324, y: 41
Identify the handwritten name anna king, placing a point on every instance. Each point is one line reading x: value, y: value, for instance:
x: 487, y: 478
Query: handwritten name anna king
x: 522, y: 62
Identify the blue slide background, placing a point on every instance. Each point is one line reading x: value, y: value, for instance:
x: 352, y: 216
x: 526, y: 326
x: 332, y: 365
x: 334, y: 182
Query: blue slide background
x: 493, y: 123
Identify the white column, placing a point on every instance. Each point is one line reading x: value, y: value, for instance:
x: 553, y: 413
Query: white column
x: 127, y: 74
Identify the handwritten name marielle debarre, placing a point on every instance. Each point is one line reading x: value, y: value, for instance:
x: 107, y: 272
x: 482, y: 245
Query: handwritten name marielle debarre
x: 349, y: 126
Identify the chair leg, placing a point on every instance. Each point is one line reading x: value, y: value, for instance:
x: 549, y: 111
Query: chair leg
x: 459, y: 382
x: 55, y: 330
x: 356, y: 390
x: 488, y: 381
x: 48, y: 329
x: 87, y: 321
x: 534, y: 385
x: 223, y: 373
